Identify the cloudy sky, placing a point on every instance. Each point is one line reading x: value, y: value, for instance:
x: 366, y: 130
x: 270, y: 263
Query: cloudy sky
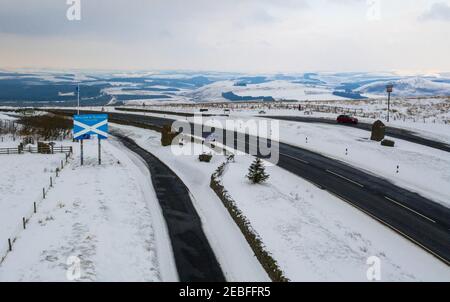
x: 228, y: 35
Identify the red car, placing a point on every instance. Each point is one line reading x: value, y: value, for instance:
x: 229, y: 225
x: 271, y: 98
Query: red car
x: 345, y: 119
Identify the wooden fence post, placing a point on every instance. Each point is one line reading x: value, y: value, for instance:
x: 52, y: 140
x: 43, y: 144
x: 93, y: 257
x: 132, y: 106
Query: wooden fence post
x: 24, y: 223
x: 9, y: 244
x: 34, y: 206
x: 43, y: 193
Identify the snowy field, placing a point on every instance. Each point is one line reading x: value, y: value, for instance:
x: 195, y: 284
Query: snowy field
x: 428, y: 117
x: 279, y: 90
x: 421, y: 169
x: 22, y: 178
x: 313, y: 235
x: 317, y: 237
x: 107, y: 216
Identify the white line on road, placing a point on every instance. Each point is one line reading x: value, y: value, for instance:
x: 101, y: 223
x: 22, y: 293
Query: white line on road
x: 392, y: 227
x: 345, y: 178
x: 398, y: 203
x: 291, y: 157
x: 295, y: 158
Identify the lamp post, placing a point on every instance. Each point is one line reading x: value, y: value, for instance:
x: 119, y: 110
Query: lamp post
x: 389, y: 89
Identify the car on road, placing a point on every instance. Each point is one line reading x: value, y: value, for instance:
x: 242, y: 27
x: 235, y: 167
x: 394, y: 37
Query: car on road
x: 345, y: 119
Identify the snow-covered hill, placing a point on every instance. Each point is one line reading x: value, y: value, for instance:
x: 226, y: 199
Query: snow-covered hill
x: 47, y: 87
x: 277, y: 89
x: 416, y: 86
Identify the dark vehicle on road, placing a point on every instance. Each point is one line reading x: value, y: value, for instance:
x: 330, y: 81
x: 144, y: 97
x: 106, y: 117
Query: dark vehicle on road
x: 345, y: 119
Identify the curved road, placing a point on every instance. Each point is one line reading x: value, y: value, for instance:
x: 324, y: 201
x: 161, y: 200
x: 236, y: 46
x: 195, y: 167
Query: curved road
x: 390, y: 131
x: 194, y: 258
x: 417, y: 218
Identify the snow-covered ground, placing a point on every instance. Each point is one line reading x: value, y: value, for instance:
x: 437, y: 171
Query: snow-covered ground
x: 279, y: 90
x: 4, y: 116
x: 232, y: 251
x: 315, y: 236
x: 429, y: 117
x: 408, y: 87
x: 22, y: 179
x: 108, y: 216
x: 421, y: 169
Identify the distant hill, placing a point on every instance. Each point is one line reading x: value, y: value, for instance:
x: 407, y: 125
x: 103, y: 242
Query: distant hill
x: 408, y: 87
x: 233, y: 97
x: 41, y: 88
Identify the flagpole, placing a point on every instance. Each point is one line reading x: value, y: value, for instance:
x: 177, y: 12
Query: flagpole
x: 78, y: 110
x: 78, y: 90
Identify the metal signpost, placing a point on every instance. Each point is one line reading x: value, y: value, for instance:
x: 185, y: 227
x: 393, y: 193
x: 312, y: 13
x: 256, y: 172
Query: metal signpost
x: 87, y: 125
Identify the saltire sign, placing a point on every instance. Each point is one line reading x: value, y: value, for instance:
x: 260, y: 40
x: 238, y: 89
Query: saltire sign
x: 86, y: 125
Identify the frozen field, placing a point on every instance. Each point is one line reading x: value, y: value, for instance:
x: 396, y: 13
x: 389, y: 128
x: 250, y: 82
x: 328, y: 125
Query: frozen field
x: 317, y: 237
x: 107, y: 216
x: 22, y: 178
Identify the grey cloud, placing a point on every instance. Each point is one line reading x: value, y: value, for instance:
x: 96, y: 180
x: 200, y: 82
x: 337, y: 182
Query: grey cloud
x: 438, y: 12
x: 132, y: 18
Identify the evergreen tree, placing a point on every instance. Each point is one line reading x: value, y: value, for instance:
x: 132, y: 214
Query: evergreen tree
x: 256, y: 172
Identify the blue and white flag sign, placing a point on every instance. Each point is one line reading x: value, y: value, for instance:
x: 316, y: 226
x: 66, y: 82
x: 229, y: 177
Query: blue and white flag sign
x: 86, y: 125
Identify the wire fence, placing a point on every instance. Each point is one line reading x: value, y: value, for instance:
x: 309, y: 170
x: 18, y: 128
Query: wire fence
x: 41, y: 150
x: 7, y: 244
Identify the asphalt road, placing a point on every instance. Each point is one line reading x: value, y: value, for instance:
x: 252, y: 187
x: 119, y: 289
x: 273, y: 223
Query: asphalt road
x: 390, y: 131
x: 422, y: 221
x: 194, y: 258
x: 189, y: 114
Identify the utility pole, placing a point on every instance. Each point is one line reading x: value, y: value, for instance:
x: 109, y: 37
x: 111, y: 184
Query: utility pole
x: 389, y: 89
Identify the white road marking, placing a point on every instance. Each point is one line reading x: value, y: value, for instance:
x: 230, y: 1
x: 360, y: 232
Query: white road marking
x: 347, y: 179
x: 295, y: 158
x: 392, y: 227
x: 398, y: 203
